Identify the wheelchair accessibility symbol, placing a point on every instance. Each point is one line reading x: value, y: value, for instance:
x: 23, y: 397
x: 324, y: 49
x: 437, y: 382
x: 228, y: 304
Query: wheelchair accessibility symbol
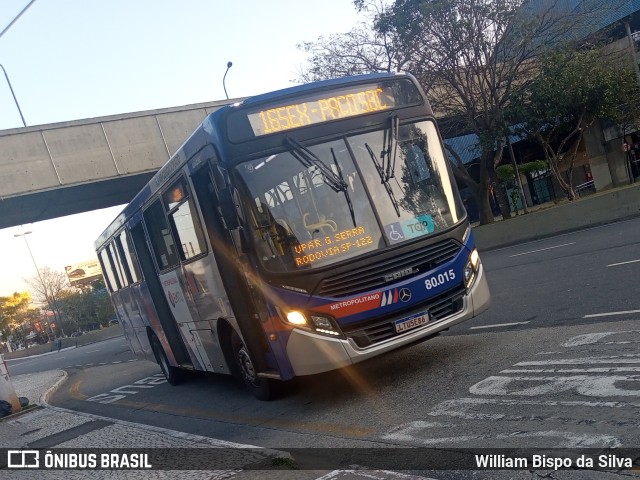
x: 394, y: 232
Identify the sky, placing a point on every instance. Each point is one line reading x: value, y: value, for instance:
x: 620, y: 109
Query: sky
x: 78, y: 59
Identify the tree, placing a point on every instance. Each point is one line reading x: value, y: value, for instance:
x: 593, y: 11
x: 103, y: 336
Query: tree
x: 86, y: 308
x: 470, y: 55
x: 572, y: 89
x: 16, y: 314
x: 364, y: 49
x: 48, y: 285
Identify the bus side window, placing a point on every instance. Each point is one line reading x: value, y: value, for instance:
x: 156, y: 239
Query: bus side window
x: 164, y: 247
x: 130, y: 257
x: 187, y: 230
x: 117, y: 264
x: 108, y: 270
x: 184, y: 220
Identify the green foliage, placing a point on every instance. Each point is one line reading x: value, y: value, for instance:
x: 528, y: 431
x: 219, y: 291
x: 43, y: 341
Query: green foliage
x: 535, y: 166
x: 506, y: 174
x: 16, y: 312
x: 85, y: 309
x: 572, y: 89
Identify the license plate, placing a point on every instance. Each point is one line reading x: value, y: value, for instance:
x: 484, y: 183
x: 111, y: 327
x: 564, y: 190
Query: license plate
x: 411, y: 322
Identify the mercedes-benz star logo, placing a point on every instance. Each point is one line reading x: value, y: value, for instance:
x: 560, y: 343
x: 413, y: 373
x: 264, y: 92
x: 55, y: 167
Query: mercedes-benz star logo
x: 405, y: 295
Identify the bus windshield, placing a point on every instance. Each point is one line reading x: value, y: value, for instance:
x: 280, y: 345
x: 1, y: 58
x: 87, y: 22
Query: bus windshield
x: 312, y: 206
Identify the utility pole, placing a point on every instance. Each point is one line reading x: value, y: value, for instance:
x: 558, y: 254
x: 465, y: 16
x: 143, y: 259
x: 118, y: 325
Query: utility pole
x: 44, y: 287
x: 14, y: 95
x: 17, y: 17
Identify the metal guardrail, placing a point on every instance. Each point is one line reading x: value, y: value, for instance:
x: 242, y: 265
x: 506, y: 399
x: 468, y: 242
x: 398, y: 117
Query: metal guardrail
x: 586, y: 188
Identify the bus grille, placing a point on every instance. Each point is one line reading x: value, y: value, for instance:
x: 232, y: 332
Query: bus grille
x: 373, y: 274
x: 377, y: 330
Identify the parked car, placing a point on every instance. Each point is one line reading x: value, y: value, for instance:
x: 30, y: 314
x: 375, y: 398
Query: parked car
x: 114, y: 321
x: 77, y: 334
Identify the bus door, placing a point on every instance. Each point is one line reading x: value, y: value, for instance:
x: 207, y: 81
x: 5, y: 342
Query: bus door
x: 158, y: 310
x: 208, y: 182
x: 168, y: 257
x: 198, y: 276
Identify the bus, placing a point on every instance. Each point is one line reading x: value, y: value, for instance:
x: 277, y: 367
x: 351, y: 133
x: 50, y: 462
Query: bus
x: 294, y: 233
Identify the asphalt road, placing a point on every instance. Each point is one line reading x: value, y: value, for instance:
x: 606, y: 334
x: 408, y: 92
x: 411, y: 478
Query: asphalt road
x: 561, y: 373
x: 564, y: 280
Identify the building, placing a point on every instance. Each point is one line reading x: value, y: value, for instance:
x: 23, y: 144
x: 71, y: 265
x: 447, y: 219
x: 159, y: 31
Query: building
x: 609, y: 155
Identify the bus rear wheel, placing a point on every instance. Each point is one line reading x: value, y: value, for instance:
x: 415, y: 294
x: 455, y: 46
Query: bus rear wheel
x: 174, y: 375
x: 262, y: 388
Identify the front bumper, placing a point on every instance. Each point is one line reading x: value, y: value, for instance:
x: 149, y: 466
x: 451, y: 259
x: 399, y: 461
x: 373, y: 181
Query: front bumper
x: 310, y: 353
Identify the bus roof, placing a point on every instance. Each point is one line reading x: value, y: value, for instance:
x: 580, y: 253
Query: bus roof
x: 307, y: 87
x: 199, y: 138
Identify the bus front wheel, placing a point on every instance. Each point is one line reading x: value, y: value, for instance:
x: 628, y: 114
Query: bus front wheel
x: 174, y: 375
x: 261, y: 388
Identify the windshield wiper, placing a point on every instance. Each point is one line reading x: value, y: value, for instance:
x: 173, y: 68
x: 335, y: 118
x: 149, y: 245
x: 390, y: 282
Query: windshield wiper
x: 309, y: 159
x: 390, y: 148
x: 346, y: 190
x: 383, y: 178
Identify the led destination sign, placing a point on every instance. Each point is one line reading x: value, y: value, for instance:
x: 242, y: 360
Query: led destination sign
x: 340, y: 103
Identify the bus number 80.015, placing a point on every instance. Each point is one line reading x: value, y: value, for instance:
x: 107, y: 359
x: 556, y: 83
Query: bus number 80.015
x: 440, y: 279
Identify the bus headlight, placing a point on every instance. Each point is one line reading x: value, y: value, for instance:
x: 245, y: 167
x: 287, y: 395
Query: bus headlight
x: 471, y: 268
x: 296, y: 318
x: 311, y: 322
x: 324, y: 325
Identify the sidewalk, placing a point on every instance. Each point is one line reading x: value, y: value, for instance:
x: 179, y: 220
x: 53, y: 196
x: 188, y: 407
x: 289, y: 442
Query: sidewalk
x: 46, y: 426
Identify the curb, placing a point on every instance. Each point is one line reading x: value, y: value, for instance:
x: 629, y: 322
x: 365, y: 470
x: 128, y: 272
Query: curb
x: 208, y: 441
x: 45, y: 396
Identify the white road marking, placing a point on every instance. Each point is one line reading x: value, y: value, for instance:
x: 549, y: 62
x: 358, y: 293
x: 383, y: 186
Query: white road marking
x: 574, y: 370
x: 496, y: 325
x: 368, y: 474
x: 623, y: 312
x: 540, y: 385
x: 460, y: 407
x: 628, y: 358
x: 121, y: 392
x: 542, y: 249
x: 623, y: 263
x: 408, y: 431
x: 589, y: 338
x: 590, y: 386
x: 91, y: 351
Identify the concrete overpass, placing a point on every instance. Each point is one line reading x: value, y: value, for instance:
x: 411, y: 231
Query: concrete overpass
x: 49, y: 171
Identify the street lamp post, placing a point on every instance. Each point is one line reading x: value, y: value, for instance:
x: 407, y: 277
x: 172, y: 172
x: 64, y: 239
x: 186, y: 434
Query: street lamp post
x: 14, y: 96
x: 229, y: 65
x: 24, y: 235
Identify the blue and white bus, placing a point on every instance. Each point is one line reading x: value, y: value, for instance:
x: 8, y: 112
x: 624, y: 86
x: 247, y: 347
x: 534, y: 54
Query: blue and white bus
x: 294, y: 233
